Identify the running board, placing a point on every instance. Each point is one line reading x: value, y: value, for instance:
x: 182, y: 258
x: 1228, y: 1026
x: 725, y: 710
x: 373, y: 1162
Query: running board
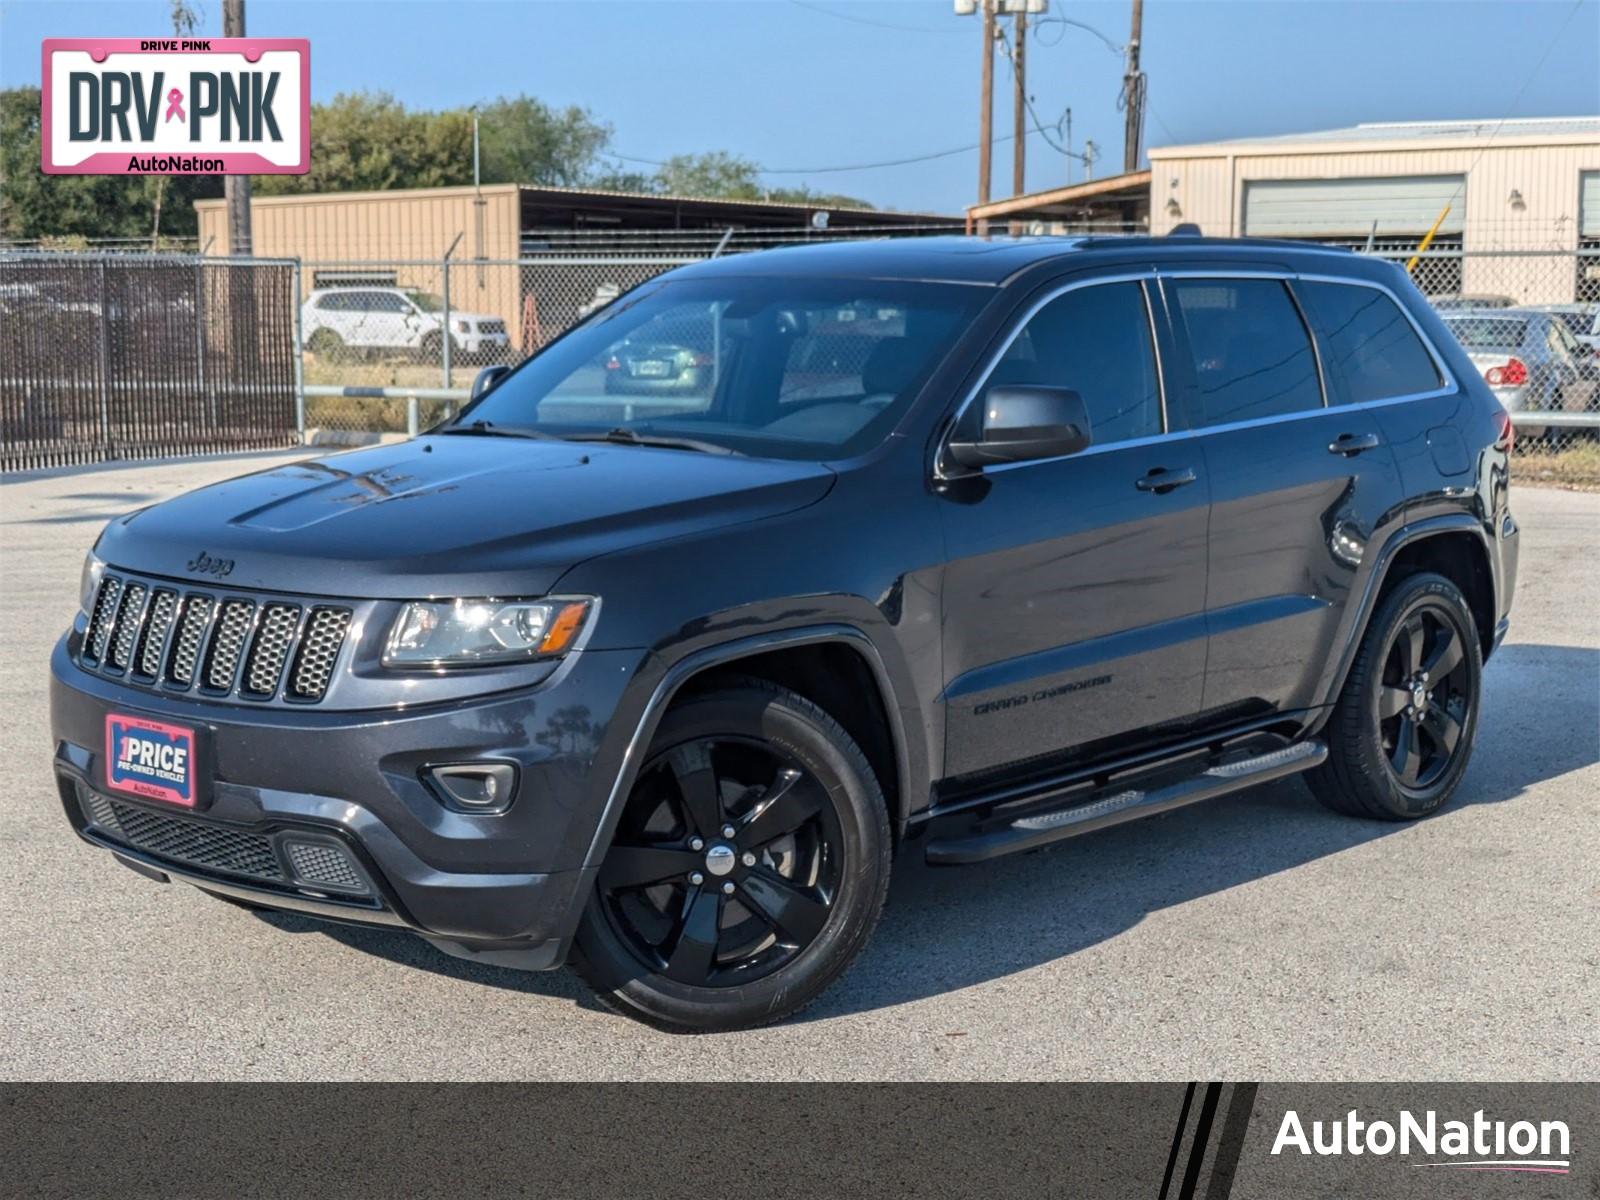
x: 1042, y: 828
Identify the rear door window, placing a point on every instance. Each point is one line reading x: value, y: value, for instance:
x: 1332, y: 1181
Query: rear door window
x: 1368, y: 342
x: 1250, y: 350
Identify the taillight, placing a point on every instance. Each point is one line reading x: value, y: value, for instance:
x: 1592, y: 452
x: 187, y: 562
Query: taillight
x: 700, y: 360
x: 1507, y: 440
x: 612, y: 364
x: 1513, y: 374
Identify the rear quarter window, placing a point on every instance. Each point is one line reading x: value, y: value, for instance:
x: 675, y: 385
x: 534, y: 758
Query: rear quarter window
x: 1369, y: 344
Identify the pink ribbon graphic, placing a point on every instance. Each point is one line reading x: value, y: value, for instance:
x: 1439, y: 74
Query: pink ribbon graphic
x: 175, y: 105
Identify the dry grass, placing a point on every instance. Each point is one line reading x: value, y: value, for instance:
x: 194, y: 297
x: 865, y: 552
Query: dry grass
x: 1577, y: 467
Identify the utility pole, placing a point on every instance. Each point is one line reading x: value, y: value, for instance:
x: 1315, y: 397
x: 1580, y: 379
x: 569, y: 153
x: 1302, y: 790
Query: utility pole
x: 1133, y: 94
x: 986, y: 103
x: 236, y: 188
x: 1019, y: 105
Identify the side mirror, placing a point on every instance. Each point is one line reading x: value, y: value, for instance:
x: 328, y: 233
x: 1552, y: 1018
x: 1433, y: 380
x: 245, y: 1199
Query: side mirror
x: 487, y: 378
x: 1022, y: 423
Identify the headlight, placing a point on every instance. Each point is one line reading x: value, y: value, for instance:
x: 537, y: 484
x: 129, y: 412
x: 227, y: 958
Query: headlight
x: 448, y: 633
x: 89, y: 582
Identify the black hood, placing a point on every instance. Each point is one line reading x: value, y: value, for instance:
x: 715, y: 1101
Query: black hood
x: 443, y: 516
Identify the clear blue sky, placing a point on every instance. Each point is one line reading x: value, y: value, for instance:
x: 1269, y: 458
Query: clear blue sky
x: 788, y: 85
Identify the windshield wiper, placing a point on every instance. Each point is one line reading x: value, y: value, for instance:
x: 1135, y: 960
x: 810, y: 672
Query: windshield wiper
x: 623, y: 436
x: 489, y: 429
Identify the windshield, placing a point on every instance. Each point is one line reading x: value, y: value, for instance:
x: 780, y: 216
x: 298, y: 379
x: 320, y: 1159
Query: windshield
x: 1487, y: 333
x: 427, y: 301
x: 777, y: 367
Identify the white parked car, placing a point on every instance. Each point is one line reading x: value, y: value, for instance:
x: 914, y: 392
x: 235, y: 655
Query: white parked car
x: 376, y: 320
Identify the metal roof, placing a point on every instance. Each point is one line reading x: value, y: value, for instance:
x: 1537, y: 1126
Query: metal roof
x: 1489, y: 129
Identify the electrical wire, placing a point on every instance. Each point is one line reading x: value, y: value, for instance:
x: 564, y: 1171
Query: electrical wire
x: 1038, y: 128
x: 851, y: 17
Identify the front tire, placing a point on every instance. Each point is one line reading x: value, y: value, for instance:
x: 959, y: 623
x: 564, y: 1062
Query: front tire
x: 747, y: 870
x: 1401, y: 732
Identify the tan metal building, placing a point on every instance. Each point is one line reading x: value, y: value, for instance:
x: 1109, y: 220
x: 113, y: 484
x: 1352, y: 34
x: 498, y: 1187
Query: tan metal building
x: 400, y: 237
x: 1504, y: 188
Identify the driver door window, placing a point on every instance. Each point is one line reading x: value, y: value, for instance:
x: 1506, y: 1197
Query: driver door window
x: 1097, y: 342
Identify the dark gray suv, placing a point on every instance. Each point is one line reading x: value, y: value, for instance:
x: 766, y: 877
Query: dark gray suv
x: 962, y: 548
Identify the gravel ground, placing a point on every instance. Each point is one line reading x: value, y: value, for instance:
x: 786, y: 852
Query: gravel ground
x: 1254, y: 937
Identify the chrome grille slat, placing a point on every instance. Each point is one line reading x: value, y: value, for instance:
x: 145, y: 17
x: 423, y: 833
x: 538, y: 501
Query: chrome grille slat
x: 153, y: 638
x: 186, y: 645
x: 227, y: 644
x: 105, y: 616
x: 270, y: 651
x: 319, y: 650
x: 130, y: 619
x: 260, y: 648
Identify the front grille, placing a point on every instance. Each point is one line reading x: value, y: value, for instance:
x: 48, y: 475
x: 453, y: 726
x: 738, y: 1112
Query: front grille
x: 228, y: 645
x: 186, y: 648
x: 198, y: 843
x: 156, y: 629
x: 313, y: 665
x: 273, y: 639
x: 103, y: 620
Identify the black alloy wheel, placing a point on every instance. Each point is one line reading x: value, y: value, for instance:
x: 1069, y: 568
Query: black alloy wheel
x: 747, y: 869
x: 1400, y: 735
x: 1424, y: 700
x: 726, y: 864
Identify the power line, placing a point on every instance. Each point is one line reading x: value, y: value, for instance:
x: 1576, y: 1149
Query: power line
x: 1038, y: 128
x: 851, y: 17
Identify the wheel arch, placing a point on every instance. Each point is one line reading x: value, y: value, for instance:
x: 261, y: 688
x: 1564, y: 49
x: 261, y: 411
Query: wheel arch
x: 1454, y: 546
x: 780, y: 657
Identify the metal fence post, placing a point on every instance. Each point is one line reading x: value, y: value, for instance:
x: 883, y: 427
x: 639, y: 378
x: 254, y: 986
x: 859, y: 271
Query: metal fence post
x: 445, y: 341
x: 105, y: 360
x: 299, y: 362
x: 413, y: 424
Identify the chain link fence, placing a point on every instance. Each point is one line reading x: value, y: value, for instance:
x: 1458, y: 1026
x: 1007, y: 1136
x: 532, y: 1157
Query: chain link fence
x: 136, y: 356
x: 122, y: 355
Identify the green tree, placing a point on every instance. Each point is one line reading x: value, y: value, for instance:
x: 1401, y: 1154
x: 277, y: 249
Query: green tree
x: 523, y: 140
x: 721, y: 175
x: 35, y: 205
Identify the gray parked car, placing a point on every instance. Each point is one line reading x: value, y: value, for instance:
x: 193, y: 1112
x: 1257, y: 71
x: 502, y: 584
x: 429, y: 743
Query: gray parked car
x: 1582, y: 319
x: 1529, y: 359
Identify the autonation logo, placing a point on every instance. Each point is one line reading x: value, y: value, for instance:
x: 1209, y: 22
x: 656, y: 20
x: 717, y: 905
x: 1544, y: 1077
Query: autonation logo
x: 1477, y: 1145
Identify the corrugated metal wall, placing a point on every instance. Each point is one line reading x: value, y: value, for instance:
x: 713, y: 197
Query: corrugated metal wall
x: 1209, y: 186
x: 373, y: 225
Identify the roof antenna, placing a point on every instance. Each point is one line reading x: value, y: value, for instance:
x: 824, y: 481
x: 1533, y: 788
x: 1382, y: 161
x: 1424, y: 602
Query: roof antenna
x: 1187, y: 229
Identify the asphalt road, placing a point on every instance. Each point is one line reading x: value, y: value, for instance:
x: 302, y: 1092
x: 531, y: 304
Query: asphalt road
x: 1254, y: 937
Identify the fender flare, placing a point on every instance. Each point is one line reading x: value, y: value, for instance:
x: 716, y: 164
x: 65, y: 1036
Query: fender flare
x: 696, y: 663
x: 1404, y: 536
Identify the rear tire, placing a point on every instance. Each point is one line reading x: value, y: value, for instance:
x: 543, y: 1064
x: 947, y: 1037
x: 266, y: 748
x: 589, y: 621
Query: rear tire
x: 690, y: 929
x: 1401, y: 732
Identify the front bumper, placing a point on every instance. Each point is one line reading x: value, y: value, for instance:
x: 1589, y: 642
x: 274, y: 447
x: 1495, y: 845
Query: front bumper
x: 506, y: 887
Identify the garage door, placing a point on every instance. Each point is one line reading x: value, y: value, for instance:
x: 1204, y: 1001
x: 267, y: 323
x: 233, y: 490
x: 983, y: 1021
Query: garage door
x: 1322, y: 208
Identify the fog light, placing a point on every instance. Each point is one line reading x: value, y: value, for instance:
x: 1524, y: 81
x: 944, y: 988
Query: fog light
x: 482, y: 787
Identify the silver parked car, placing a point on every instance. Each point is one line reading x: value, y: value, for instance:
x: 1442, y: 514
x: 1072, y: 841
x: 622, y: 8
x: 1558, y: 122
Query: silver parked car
x: 1582, y: 319
x: 1529, y: 359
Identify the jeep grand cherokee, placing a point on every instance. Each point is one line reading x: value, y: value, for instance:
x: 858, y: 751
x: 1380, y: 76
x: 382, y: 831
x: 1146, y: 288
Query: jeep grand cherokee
x: 964, y: 547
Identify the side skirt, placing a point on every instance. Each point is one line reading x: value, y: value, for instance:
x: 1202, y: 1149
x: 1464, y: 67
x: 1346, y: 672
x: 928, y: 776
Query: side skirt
x: 1052, y: 816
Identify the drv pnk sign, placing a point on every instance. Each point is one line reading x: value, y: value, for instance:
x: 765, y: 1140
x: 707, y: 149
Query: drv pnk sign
x: 176, y: 106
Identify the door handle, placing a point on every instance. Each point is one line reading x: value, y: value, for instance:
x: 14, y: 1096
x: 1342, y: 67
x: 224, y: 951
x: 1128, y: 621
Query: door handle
x: 1350, y: 444
x: 1160, y: 480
